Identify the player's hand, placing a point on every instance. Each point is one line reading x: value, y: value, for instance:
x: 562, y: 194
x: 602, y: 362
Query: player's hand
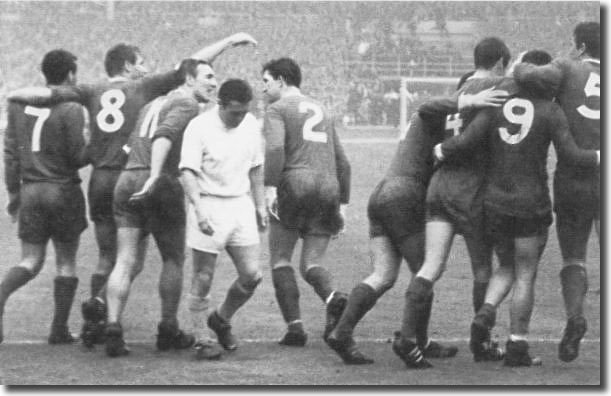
x: 12, y: 208
x: 487, y: 98
x: 242, y: 39
x: 140, y: 197
x: 262, y: 218
x: 203, y: 222
x: 343, y: 209
x: 598, y: 157
x: 438, y: 153
x: 271, y: 201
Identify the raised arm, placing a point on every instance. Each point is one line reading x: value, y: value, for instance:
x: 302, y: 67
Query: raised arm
x: 440, y: 107
x: 210, y: 52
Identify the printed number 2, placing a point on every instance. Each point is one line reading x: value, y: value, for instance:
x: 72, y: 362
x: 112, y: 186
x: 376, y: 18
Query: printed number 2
x: 592, y: 88
x: 311, y: 122
x: 41, y: 115
x: 111, y: 102
x: 524, y: 119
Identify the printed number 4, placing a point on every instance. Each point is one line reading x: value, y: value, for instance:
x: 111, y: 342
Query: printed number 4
x: 592, y: 88
x: 311, y: 122
x: 41, y: 115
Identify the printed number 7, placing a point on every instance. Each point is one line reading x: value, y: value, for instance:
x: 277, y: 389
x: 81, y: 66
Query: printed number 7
x: 41, y: 115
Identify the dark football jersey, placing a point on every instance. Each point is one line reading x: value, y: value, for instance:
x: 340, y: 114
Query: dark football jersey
x: 576, y: 85
x: 167, y: 117
x: 43, y: 144
x: 518, y: 136
x: 114, y: 107
x: 299, y: 132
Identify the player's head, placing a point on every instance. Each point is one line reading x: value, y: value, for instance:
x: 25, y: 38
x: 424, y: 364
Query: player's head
x: 492, y: 54
x: 537, y: 57
x: 125, y: 60
x: 234, y: 101
x: 198, y: 76
x: 587, y: 39
x: 59, y: 67
x: 279, y: 74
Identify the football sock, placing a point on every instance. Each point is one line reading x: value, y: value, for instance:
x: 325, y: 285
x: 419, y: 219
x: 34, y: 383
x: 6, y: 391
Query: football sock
x: 63, y: 293
x: 170, y: 290
x: 422, y: 323
x: 15, y: 278
x: 362, y: 298
x: 487, y: 314
x: 574, y: 288
x: 320, y: 279
x: 416, y: 299
x: 296, y: 326
x: 97, y: 283
x: 479, y: 294
x: 237, y: 295
x: 287, y: 293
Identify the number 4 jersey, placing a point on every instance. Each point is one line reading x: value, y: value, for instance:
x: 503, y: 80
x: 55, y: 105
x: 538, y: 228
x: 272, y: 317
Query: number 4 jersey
x: 43, y: 144
x: 297, y: 128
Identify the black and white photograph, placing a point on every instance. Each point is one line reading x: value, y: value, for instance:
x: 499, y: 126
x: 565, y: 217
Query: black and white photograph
x: 302, y: 194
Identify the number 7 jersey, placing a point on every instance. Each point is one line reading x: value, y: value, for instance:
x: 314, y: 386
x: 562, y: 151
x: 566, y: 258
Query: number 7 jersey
x: 299, y: 130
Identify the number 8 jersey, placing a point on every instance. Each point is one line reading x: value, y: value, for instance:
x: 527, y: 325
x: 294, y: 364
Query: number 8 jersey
x: 299, y: 134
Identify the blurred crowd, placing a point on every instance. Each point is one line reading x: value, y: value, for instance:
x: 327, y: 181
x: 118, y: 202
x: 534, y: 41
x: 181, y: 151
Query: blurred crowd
x: 341, y: 46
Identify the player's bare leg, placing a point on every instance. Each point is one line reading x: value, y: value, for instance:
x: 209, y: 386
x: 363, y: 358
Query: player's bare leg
x: 130, y: 245
x: 246, y: 261
x: 522, y: 302
x: 313, y: 271
x: 439, y: 235
x: 32, y: 259
x: 199, y: 302
x: 65, y: 287
x: 385, y: 260
x: 282, y: 243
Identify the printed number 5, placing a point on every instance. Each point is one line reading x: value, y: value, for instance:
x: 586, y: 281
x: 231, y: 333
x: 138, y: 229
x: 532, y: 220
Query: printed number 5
x: 311, y: 122
x: 592, y: 88
x: 41, y: 116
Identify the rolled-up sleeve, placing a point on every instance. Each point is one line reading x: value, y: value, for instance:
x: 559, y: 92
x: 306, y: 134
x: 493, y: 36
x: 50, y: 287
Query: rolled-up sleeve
x: 192, y: 149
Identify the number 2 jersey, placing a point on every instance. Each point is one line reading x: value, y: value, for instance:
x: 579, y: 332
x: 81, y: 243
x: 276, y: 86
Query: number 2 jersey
x: 43, y: 144
x: 300, y: 134
x: 114, y: 107
x: 576, y: 85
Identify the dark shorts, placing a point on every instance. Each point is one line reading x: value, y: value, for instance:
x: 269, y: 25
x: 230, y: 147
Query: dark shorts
x: 309, y: 202
x: 162, y: 214
x: 577, y: 205
x: 500, y: 226
x: 51, y: 211
x: 396, y: 208
x: 100, y: 194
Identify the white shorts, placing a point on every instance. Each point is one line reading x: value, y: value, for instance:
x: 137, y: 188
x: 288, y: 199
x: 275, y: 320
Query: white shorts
x: 233, y: 220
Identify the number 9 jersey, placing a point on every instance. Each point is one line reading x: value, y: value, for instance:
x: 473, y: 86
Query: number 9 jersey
x: 300, y: 135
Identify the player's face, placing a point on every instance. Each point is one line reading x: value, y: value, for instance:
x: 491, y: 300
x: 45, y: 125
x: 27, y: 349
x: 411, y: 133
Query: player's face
x: 204, y: 84
x: 233, y: 113
x: 138, y: 69
x: 271, y: 88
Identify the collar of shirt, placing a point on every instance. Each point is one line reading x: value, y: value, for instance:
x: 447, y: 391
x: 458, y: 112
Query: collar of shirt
x: 592, y: 60
x: 117, y: 79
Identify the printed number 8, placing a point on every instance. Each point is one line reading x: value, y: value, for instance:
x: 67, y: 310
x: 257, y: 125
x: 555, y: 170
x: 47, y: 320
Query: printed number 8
x: 111, y: 102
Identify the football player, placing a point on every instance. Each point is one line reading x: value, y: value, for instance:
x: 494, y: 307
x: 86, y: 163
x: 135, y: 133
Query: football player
x: 576, y: 84
x: 43, y: 151
x: 307, y: 179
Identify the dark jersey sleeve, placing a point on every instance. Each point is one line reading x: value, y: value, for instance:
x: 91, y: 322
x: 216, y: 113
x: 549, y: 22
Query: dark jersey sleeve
x: 275, y: 133
x: 435, y: 108
x: 545, y: 78
x: 74, y: 125
x: 472, y: 138
x: 157, y: 85
x: 177, y: 118
x: 81, y: 93
x: 565, y: 145
x: 344, y: 170
x: 11, y: 151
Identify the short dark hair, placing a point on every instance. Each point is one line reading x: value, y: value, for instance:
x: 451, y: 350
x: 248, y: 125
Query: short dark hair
x: 286, y: 68
x: 235, y: 89
x: 115, y: 59
x: 488, y: 51
x: 537, y: 57
x: 57, y: 64
x: 588, y: 33
x: 188, y: 67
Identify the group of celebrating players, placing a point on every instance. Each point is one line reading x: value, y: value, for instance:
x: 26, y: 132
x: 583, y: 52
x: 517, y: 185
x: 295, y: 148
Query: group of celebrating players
x: 172, y: 160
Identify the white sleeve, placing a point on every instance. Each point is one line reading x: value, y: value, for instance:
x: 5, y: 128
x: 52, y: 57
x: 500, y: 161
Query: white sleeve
x: 259, y: 145
x: 192, y: 147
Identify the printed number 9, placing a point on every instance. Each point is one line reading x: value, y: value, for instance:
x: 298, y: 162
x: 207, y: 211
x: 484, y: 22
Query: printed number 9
x: 311, y: 122
x: 524, y: 119
x: 111, y: 102
x: 592, y: 88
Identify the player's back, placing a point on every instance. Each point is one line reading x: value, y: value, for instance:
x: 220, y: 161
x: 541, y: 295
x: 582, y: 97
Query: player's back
x: 310, y: 135
x: 47, y: 142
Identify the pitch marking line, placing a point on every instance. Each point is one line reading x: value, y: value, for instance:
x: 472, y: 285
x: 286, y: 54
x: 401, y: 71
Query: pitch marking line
x: 370, y: 140
x: 274, y: 340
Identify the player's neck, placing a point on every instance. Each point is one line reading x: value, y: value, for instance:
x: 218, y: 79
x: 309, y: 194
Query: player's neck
x: 291, y: 91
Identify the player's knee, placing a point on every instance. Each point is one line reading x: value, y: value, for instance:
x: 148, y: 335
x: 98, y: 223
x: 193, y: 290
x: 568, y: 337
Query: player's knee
x: 251, y: 282
x: 198, y: 303
x: 203, y: 280
x: 32, y: 265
